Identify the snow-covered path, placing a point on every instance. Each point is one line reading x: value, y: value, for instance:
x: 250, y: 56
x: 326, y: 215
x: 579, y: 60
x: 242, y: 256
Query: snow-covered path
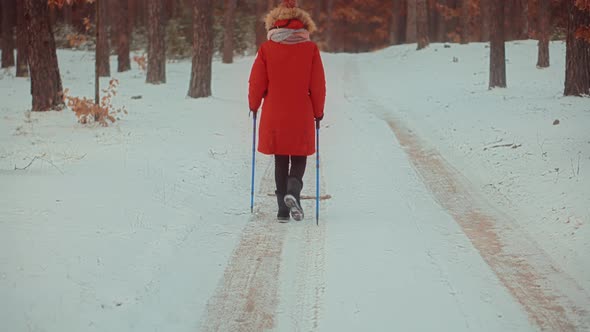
x: 145, y: 225
x: 517, y: 260
x: 409, y: 265
x: 393, y: 255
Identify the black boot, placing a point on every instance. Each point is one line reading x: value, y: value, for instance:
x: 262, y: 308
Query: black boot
x: 283, y: 214
x: 292, y: 199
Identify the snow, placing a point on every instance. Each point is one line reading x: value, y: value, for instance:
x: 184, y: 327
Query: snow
x: 145, y: 225
x: 543, y: 181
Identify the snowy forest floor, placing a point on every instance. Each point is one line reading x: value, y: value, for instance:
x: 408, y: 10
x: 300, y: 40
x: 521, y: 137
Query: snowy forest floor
x: 451, y: 207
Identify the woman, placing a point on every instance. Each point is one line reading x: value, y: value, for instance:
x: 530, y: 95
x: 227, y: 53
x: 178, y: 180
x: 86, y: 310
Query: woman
x: 288, y: 74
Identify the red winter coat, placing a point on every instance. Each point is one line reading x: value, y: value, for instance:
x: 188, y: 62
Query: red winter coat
x: 291, y: 80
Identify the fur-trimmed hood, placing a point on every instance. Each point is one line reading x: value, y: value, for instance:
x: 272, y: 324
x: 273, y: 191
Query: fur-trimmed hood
x: 285, y: 13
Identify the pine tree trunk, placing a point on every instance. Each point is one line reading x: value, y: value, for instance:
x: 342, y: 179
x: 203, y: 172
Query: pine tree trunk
x: 317, y: 10
x: 123, y: 36
x: 156, y: 70
x: 8, y: 24
x: 102, y: 44
x: 170, y: 8
x: 465, y: 21
x: 200, y: 85
x: 330, y: 26
x: 138, y: 15
x: 394, y: 28
x: 485, y: 11
x: 433, y: 17
x: 577, y: 68
x: 543, y: 56
x: 98, y: 23
x: 228, y: 31
x: 411, y: 23
x: 441, y: 24
x: 509, y: 13
x: 516, y: 20
x: 422, y: 24
x: 67, y: 10
x: 132, y: 14
x: 261, y: 7
x: 112, y: 12
x: 79, y: 11
x: 52, y: 16
x: 46, y: 87
x: 497, y: 46
x: 525, y: 19
x: 22, y: 42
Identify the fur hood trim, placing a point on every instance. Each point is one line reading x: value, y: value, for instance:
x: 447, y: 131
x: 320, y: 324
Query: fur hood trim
x: 284, y: 13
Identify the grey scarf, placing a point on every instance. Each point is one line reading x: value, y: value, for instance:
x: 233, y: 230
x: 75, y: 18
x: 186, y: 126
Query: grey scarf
x: 288, y: 36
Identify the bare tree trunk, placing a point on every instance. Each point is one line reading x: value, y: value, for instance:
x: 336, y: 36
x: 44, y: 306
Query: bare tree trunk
x: 484, y: 8
x: 169, y: 10
x: 441, y: 24
x: 22, y: 42
x: 317, y: 10
x: 123, y: 36
x: 432, y: 18
x: 102, y: 45
x: 465, y: 19
x: 52, y: 16
x: 525, y: 19
x: 156, y: 70
x: 67, y: 10
x: 422, y: 24
x: 398, y: 23
x: 112, y: 13
x: 98, y: 23
x: 497, y: 46
x: 516, y: 20
x: 577, y: 69
x: 8, y: 24
x: 543, y: 56
x: 261, y: 7
x: 46, y: 87
x: 132, y: 14
x: 228, y: 31
x: 411, y: 23
x: 137, y: 13
x: 200, y: 85
x: 509, y: 13
x: 330, y: 25
x: 394, y: 28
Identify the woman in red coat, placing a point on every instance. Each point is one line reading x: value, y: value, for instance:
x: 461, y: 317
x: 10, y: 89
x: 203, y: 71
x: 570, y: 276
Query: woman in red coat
x: 288, y: 74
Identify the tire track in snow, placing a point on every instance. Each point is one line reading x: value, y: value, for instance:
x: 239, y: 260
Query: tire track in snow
x: 303, y: 271
x: 249, y: 293
x: 551, y: 298
x: 247, y: 296
x: 311, y: 278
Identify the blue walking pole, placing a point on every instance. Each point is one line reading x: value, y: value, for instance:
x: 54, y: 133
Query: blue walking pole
x: 253, y: 161
x: 317, y: 173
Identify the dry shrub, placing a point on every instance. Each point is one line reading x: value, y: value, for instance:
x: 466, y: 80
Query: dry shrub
x: 75, y: 40
x: 141, y: 61
x: 89, y: 112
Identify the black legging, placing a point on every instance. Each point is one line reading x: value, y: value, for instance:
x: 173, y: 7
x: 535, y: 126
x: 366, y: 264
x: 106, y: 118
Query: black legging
x: 282, y: 171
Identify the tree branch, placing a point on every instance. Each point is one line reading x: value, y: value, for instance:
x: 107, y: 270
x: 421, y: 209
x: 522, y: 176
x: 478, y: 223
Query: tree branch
x: 33, y: 160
